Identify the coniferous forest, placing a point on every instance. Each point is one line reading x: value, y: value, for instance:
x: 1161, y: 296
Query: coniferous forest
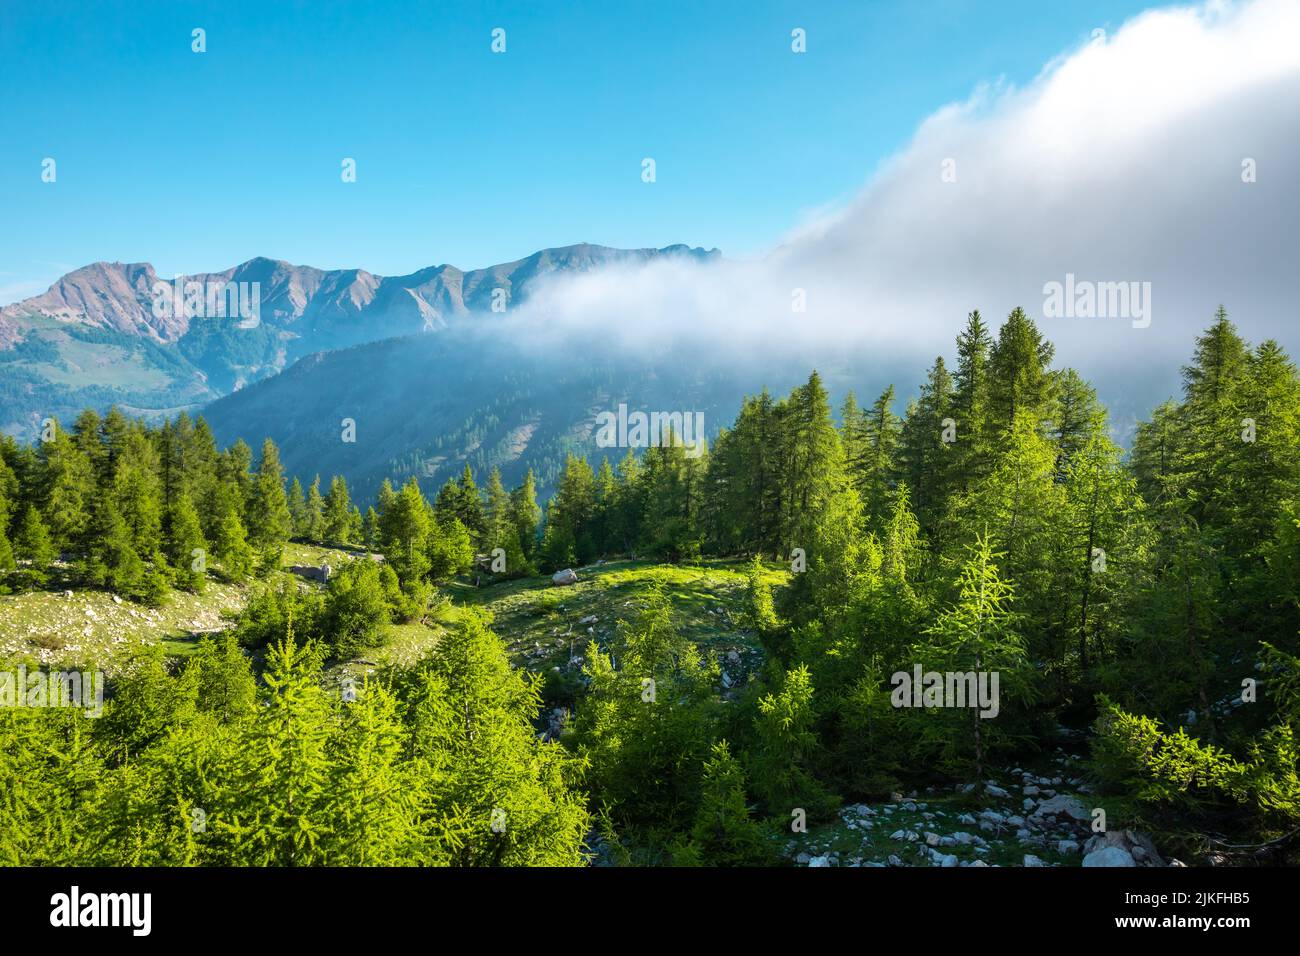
x: 1138, y: 609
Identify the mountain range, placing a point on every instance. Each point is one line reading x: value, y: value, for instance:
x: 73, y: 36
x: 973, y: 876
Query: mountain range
x: 98, y: 336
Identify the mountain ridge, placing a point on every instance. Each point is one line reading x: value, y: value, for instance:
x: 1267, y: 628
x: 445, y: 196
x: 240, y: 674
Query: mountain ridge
x: 97, y: 336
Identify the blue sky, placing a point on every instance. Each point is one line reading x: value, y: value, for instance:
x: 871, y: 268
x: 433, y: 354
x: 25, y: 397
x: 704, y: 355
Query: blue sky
x: 198, y: 161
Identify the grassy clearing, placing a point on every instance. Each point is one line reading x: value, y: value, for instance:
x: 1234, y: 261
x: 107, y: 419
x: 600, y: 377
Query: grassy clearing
x: 546, y: 627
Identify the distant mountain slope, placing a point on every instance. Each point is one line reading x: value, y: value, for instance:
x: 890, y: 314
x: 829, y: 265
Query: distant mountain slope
x: 426, y: 405
x: 95, y: 337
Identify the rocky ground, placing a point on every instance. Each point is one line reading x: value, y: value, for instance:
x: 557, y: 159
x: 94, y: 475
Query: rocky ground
x: 96, y: 628
x: 1017, y: 818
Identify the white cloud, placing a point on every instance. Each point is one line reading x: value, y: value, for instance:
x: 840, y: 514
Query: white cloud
x: 1121, y: 161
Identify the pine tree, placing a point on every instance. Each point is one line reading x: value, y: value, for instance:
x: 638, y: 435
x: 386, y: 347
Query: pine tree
x: 787, y: 751
x: 277, y: 812
x: 70, y: 483
x: 873, y: 473
x: 32, y: 542
x: 184, y: 539
x: 232, y: 548
x: 370, y: 529
x: 114, y: 563
x: 924, y: 459
x: 970, y: 403
x: 813, y: 462
x: 374, y: 812
x: 525, y: 514
x: 338, y: 512
x: 315, y: 528
x: 501, y: 529
x: 404, y: 529
x: 977, y: 634
x: 724, y: 833
x: 495, y: 794
x: 299, y: 518
x: 268, y: 517
x: 568, y: 539
x: 1019, y: 378
x: 357, y: 610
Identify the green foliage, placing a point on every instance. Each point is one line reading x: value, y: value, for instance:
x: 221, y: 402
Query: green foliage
x: 357, y: 609
x: 725, y: 834
x: 645, y: 721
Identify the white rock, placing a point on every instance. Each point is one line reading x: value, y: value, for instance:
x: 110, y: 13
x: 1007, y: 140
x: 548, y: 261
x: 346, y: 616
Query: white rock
x: 1063, y: 805
x: 1109, y: 856
x: 1031, y: 860
x: 1067, y: 846
x: 820, y: 861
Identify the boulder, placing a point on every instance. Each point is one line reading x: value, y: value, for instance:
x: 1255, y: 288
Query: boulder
x: 1063, y: 805
x: 567, y: 576
x: 1109, y: 856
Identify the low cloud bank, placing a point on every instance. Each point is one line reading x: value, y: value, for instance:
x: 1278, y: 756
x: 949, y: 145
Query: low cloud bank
x: 1160, y: 160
